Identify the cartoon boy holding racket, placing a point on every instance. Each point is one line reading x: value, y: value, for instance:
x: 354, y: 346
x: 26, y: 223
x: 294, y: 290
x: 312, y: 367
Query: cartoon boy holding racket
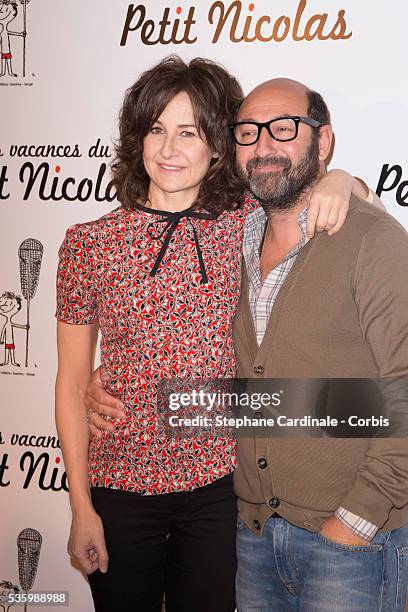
x: 8, y: 12
x: 10, y: 305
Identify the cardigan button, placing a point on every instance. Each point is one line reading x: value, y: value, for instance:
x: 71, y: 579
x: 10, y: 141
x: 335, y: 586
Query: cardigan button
x: 259, y: 370
x: 257, y: 525
x: 262, y: 463
x: 274, y: 502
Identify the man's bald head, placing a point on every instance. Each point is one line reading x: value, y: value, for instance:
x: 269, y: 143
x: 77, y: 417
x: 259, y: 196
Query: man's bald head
x: 288, y: 92
x: 280, y: 85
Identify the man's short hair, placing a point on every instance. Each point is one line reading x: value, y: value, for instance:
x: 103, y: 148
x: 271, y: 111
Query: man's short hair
x: 317, y: 108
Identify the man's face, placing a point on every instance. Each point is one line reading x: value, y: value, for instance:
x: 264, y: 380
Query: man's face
x: 278, y: 172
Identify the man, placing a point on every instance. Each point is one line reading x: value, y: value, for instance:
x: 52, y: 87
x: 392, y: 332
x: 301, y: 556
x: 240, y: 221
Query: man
x: 323, y: 522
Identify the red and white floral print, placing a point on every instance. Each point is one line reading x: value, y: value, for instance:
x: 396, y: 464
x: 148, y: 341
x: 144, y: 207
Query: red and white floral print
x: 168, y: 325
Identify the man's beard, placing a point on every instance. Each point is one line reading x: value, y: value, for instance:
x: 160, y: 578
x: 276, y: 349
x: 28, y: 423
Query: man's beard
x: 280, y: 190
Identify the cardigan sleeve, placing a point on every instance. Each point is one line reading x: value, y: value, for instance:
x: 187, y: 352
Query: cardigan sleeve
x: 381, y: 295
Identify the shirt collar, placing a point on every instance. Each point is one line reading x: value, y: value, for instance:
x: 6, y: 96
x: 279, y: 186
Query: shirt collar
x: 254, y: 230
x: 256, y: 221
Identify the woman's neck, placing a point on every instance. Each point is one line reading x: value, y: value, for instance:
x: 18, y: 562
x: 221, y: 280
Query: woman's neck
x: 173, y: 202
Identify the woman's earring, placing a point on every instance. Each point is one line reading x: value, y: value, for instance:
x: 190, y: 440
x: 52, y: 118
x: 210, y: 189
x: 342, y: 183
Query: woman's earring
x: 215, y: 155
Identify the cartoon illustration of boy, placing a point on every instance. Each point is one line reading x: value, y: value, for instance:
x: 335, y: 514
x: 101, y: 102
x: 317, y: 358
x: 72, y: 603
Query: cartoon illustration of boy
x: 8, y: 12
x: 10, y: 304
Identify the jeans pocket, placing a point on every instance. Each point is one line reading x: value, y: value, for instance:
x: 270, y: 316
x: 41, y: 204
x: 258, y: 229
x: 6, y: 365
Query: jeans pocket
x: 402, y: 577
x: 365, y: 548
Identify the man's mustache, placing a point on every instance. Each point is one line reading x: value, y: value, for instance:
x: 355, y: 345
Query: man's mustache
x: 258, y: 162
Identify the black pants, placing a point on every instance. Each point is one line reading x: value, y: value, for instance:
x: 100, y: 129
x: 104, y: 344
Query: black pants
x: 180, y: 544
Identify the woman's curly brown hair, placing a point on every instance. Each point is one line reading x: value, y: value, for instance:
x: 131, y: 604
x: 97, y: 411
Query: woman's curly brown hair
x: 215, y: 97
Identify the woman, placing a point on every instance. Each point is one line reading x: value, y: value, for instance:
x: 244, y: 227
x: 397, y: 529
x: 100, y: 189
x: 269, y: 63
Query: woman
x: 161, y: 276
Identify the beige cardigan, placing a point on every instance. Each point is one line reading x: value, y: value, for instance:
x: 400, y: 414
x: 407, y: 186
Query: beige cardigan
x: 342, y: 312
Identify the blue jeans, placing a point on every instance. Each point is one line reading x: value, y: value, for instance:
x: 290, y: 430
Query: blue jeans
x: 289, y: 569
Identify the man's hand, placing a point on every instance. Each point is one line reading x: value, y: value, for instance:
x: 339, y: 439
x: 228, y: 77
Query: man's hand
x: 99, y: 403
x: 334, y: 529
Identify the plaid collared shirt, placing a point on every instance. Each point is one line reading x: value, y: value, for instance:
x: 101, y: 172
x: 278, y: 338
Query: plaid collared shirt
x: 262, y: 296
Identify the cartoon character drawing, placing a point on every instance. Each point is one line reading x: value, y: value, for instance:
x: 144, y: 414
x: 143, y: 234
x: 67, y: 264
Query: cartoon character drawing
x: 29, y: 543
x: 10, y: 305
x: 30, y: 254
x: 8, y: 12
x: 7, y: 588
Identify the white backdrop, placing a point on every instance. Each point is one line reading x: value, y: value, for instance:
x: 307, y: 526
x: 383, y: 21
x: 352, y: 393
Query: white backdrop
x: 76, y: 72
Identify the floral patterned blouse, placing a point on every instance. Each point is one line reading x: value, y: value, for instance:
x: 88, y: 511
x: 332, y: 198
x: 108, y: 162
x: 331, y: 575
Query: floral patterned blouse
x: 164, y: 288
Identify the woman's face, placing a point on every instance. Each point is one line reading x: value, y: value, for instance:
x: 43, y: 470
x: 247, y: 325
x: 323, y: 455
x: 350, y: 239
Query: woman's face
x: 175, y: 156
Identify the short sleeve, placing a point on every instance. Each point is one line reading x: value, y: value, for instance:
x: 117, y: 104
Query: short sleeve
x: 76, y: 291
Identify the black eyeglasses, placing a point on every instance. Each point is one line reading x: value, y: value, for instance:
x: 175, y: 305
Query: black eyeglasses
x: 282, y: 129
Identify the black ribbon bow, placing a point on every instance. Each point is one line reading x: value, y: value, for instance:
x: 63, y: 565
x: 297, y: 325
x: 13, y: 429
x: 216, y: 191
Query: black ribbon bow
x: 171, y: 221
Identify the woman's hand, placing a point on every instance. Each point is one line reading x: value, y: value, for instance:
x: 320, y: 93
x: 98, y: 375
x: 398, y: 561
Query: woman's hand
x: 330, y: 200
x: 86, y: 542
